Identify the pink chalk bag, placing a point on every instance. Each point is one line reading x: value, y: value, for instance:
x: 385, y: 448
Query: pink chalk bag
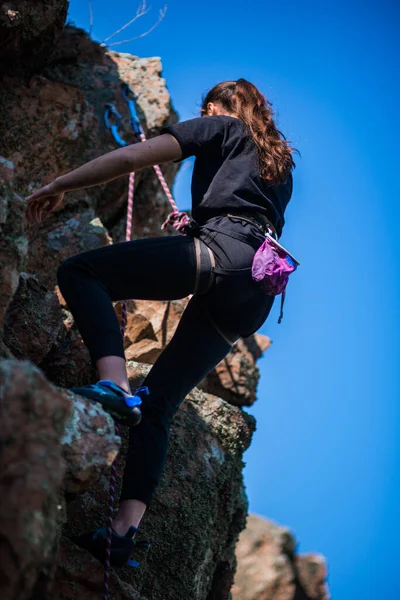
x: 272, y: 265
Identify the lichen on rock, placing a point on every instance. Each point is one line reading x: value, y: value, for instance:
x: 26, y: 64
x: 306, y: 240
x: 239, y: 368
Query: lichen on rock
x: 33, y: 415
x: 13, y: 242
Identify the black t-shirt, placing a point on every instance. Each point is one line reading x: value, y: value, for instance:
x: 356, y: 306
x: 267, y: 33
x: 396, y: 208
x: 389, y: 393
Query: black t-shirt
x: 226, y: 171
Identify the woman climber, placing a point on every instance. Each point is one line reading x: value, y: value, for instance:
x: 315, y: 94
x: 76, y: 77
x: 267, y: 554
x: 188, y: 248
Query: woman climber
x: 241, y: 185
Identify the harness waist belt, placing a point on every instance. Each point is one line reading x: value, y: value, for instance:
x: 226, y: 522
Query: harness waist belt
x: 257, y: 219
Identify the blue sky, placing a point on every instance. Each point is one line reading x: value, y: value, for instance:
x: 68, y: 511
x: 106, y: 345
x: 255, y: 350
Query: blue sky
x: 325, y: 457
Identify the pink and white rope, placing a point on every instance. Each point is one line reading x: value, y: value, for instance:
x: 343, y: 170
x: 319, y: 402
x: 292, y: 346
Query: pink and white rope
x: 131, y: 189
x: 128, y: 236
x: 176, y: 218
x: 111, y: 501
x: 110, y: 517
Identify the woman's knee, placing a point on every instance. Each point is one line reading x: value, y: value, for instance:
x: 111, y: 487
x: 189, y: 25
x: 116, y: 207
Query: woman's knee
x: 67, y: 270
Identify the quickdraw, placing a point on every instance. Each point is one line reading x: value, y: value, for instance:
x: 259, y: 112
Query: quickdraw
x: 111, y: 113
x: 178, y: 219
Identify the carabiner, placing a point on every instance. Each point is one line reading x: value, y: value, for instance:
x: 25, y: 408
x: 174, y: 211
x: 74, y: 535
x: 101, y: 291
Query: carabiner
x: 126, y: 92
x: 111, y: 111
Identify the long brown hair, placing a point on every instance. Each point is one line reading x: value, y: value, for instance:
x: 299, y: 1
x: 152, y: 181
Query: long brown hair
x: 242, y: 99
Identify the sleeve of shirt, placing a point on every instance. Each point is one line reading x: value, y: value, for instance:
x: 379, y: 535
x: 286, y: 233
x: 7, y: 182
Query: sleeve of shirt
x: 197, y: 134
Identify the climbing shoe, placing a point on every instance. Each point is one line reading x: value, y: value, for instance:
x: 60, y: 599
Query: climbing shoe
x: 123, y: 407
x: 122, y: 546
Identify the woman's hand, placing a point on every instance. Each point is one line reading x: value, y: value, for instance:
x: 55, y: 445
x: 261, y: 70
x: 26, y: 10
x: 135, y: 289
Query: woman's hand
x: 47, y: 199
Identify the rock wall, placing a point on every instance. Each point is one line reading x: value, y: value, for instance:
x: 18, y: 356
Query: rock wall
x: 13, y: 243
x: 57, y: 448
x: 29, y: 31
x: 52, y: 443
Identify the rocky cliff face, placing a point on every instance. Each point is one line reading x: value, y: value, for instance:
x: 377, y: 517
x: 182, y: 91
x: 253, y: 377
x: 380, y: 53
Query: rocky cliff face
x: 56, y: 448
x: 29, y: 31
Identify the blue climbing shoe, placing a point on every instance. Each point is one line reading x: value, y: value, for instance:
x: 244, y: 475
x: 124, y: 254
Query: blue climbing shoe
x: 123, y: 407
x: 122, y: 546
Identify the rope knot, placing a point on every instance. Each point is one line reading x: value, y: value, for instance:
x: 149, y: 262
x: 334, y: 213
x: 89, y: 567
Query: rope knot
x: 178, y: 220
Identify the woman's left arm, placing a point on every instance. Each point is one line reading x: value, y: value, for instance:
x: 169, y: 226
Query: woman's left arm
x: 161, y: 149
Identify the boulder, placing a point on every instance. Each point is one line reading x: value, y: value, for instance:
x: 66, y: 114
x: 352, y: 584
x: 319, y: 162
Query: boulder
x: 89, y: 444
x: 56, y: 241
x: 269, y: 569
x: 33, y: 415
x: 311, y: 572
x: 68, y: 362
x: 150, y: 327
x: 13, y: 243
x: 33, y: 320
x: 52, y: 443
x: 235, y: 379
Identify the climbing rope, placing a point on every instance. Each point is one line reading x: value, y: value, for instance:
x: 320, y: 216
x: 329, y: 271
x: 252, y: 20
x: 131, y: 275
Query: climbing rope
x: 110, y: 113
x: 128, y: 236
x: 178, y: 220
x: 110, y: 517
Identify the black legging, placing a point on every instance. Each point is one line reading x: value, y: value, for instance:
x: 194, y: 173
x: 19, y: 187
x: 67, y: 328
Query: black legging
x: 165, y: 269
